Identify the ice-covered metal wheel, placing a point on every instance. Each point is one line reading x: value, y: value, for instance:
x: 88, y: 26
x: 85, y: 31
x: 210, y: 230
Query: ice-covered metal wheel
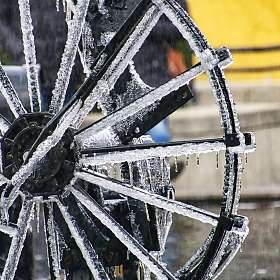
x: 93, y: 196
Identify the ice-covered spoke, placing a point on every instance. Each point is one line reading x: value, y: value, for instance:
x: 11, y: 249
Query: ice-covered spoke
x: 148, y: 197
x: 83, y: 243
x: 10, y: 94
x: 52, y: 239
x: 130, y: 242
x: 63, y: 76
x: 30, y: 55
x: 130, y: 153
x: 18, y: 240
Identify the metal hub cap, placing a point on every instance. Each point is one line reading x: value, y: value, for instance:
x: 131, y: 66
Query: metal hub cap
x: 54, y: 171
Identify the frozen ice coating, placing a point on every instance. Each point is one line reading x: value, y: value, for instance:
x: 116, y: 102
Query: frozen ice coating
x: 140, y: 104
x: 84, y: 245
x: 150, y: 198
x: 53, y: 241
x: 142, y: 154
x: 73, y: 37
x: 130, y: 242
x: 132, y: 45
x: 43, y: 148
x: 30, y: 55
x: 145, y: 176
x: 85, y: 53
x: 18, y: 240
x: 11, y: 96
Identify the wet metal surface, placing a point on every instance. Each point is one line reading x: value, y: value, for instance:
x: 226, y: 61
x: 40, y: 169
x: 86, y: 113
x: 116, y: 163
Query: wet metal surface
x: 260, y: 254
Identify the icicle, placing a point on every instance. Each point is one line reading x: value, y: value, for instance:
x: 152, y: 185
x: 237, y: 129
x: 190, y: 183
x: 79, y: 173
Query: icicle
x: 187, y: 160
x: 57, y: 5
x: 217, y: 160
x: 176, y: 164
x: 149, y: 169
x: 64, y: 5
x: 114, y: 167
x: 197, y: 159
x: 130, y: 169
x: 246, y: 158
x: 38, y: 206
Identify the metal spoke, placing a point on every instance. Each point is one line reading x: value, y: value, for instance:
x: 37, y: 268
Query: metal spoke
x: 68, y: 57
x: 30, y: 55
x: 130, y: 242
x: 18, y: 240
x: 10, y: 94
x: 129, y: 153
x: 148, y: 197
x: 83, y: 243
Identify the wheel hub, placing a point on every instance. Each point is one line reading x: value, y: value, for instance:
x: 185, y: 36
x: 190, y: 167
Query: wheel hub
x: 54, y: 171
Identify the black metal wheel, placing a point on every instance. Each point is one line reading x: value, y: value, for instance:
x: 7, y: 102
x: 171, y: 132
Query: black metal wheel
x: 99, y: 199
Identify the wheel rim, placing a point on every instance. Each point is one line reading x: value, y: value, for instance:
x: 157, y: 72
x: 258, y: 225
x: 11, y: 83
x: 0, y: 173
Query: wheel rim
x: 102, y: 143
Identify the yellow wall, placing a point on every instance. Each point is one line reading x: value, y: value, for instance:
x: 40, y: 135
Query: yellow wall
x: 241, y: 23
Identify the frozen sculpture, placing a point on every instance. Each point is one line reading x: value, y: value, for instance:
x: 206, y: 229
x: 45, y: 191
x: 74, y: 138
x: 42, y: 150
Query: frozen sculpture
x: 101, y: 195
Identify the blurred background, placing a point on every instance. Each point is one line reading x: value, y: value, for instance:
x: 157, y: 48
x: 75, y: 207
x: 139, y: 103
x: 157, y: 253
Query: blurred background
x: 251, y: 29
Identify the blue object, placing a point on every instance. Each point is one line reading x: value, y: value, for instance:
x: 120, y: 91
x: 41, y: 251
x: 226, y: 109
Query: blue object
x: 160, y: 133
